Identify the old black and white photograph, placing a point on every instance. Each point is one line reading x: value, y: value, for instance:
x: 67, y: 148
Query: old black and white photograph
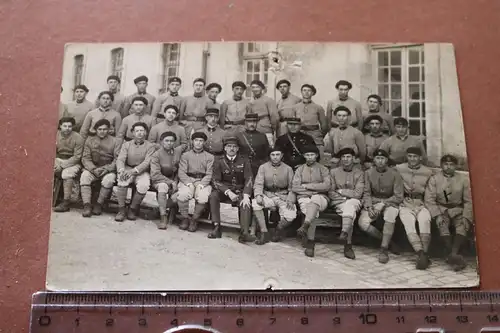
x: 257, y: 165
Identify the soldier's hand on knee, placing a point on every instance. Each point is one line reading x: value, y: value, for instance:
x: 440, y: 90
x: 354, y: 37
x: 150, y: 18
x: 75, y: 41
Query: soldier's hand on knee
x: 245, y: 202
x: 233, y: 196
x: 372, y: 213
x: 259, y: 199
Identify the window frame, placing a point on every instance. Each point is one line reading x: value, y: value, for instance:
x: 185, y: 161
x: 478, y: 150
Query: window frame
x: 260, y: 56
x: 78, y: 67
x: 167, y: 64
x: 114, y: 69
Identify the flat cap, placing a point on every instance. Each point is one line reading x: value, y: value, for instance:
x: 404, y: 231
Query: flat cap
x: 342, y: 108
x: 141, y: 79
x: 140, y: 99
x: 310, y: 149
x: 449, y: 158
x: 414, y: 150
x: 343, y: 83
x: 214, y: 85
x: 114, y: 77
x: 199, y: 135
x: 166, y: 134
x: 82, y: 87
x: 310, y: 86
x: 239, y: 84
x: 259, y: 83
x: 345, y: 151
x: 101, y: 122
x: 280, y: 82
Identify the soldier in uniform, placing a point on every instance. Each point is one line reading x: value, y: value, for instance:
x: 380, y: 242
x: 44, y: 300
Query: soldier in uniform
x: 374, y: 103
x: 169, y: 125
x: 132, y: 166
x: 214, y: 133
x: 104, y: 111
x: 345, y: 195
x: 79, y: 108
x: 382, y: 196
x: 311, y: 183
x: 344, y: 136
x: 69, y: 149
x: 273, y: 189
x: 374, y: 138
x: 164, y: 166
x: 292, y: 143
x: 233, y: 182
x: 113, y: 82
x: 99, y: 162
x: 415, y: 177
x: 355, y: 119
x: 266, y: 108
x: 285, y: 104
x: 253, y: 144
x: 141, y: 82
x: 213, y: 90
x: 170, y: 97
x: 233, y: 111
x: 139, y: 105
x: 192, y: 117
x: 397, y: 144
x: 195, y: 177
x: 448, y: 198
x: 312, y: 116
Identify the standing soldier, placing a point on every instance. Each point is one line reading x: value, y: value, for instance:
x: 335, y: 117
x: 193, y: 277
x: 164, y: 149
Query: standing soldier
x: 285, y: 104
x: 355, y: 119
x: 214, y: 133
x: 253, y: 144
x: 99, y: 162
x: 266, y: 108
x: 104, y: 111
x: 170, y: 97
x: 311, y: 183
x: 312, y: 116
x: 192, y: 117
x: 118, y: 101
x: 164, y: 166
x: 69, y: 148
x: 79, y: 108
x: 382, y: 196
x: 141, y: 82
x: 233, y: 111
x: 132, y: 166
x: 397, y: 144
x: 293, y: 143
x: 448, y: 198
x: 213, y: 90
x: 169, y: 125
x: 273, y: 189
x: 232, y: 181
x: 374, y: 103
x: 344, y: 136
x: 195, y: 176
x: 374, y: 138
x: 415, y: 177
x: 139, y: 105
x: 345, y: 195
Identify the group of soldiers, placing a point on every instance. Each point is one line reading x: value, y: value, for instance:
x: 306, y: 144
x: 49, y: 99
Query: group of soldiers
x: 259, y: 154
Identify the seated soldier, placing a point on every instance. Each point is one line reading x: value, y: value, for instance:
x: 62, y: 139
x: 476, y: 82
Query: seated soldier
x: 232, y: 184
x: 382, y: 196
x: 132, y: 166
x: 138, y: 114
x: 69, y: 148
x: 311, y: 183
x: 345, y: 195
x: 448, y: 198
x: 164, y: 166
x: 195, y: 174
x: 273, y: 189
x: 99, y: 162
x: 415, y: 177
x: 169, y: 125
x: 214, y: 133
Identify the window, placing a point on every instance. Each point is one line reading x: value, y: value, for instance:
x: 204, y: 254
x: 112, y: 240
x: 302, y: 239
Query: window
x: 401, y: 84
x: 117, y: 62
x: 78, y: 70
x: 255, y: 64
x: 171, y: 61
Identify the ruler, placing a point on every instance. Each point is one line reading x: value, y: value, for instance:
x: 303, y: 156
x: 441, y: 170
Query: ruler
x: 224, y: 312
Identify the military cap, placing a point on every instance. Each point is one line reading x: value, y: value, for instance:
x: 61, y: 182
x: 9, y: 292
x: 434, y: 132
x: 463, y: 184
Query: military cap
x: 239, y: 84
x: 259, y: 83
x: 275, y: 148
x: 171, y: 107
x: 341, y: 108
x: 141, y: 79
x: 230, y: 139
x: 414, y: 150
x: 380, y: 152
x: 252, y: 116
x: 101, y: 122
x: 141, y: 99
x: 212, y: 111
x: 280, y: 82
x: 67, y: 120
x: 199, y: 135
x: 310, y: 149
x: 310, y: 86
x: 401, y: 121
x: 140, y: 124
x: 174, y: 79
x: 449, y: 158
x: 199, y: 79
x: 114, y: 77
x: 293, y: 120
x: 343, y: 83
x: 213, y: 85
x: 81, y: 86
x: 374, y: 117
x: 345, y: 151
x: 168, y: 133
x: 109, y: 93
x: 377, y: 97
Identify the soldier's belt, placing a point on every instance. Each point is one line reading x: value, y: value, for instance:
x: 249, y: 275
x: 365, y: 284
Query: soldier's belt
x: 276, y: 189
x: 414, y: 196
x: 237, y: 122
x: 200, y: 119
x: 448, y: 205
x: 196, y: 175
x: 310, y: 127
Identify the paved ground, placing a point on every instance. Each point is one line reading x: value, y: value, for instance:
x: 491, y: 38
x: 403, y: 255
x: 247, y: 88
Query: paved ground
x: 101, y: 254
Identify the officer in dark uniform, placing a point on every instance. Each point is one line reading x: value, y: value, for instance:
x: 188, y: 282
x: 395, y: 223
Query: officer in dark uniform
x: 253, y: 144
x: 293, y: 143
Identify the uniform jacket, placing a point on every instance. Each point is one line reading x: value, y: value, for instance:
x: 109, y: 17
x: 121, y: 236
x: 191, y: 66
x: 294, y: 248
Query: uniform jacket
x: 233, y: 175
x: 99, y: 152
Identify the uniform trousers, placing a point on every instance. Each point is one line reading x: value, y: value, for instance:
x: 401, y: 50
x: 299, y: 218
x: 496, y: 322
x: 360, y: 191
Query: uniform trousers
x: 141, y: 181
x: 287, y: 215
x: 461, y: 225
x: 311, y: 207
x: 185, y: 193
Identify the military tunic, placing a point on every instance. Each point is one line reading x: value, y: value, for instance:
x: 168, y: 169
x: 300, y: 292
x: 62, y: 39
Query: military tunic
x: 196, y: 167
x: 127, y: 104
x: 193, y: 114
x: 318, y: 182
x: 95, y: 115
x: 118, y: 104
x: 353, y: 105
x: 285, y: 110
x: 69, y: 151
x: 164, y: 166
x: 346, y: 185
x: 100, y: 153
x: 125, y: 131
x: 135, y: 155
x: 255, y: 146
x: 214, y: 144
x: 266, y: 108
x: 291, y: 156
x: 373, y: 142
x: 397, y: 146
x: 158, y: 110
x: 383, y: 187
x: 159, y: 129
x: 348, y: 137
x: 232, y: 114
x: 78, y: 111
x: 387, y: 126
x: 313, y: 120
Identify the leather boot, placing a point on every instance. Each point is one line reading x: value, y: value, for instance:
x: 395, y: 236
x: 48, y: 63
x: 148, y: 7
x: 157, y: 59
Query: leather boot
x: 349, y: 252
x: 302, y: 231
x: 104, y: 195
x: 422, y: 261
x: 394, y: 248
x: 383, y: 256
x: 122, y: 212
x: 447, y: 244
x: 163, y: 222
x: 246, y: 238
x: 87, y: 210
x: 216, y: 232
x: 309, y: 251
x: 134, y: 206
x: 172, y: 214
x: 62, y: 207
x: 185, y: 223
x: 97, y: 209
x: 278, y: 235
x: 263, y: 238
x: 198, y: 210
x: 121, y: 196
